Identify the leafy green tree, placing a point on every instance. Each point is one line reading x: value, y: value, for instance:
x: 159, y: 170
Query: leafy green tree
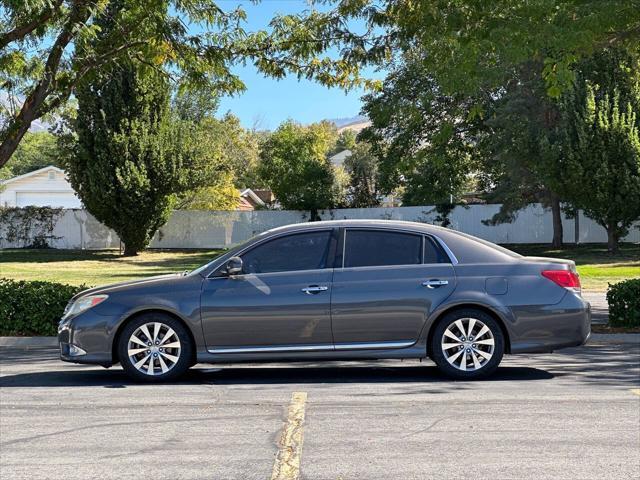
x: 362, y: 168
x: 522, y: 149
x: 223, y: 195
x: 295, y: 165
x: 231, y: 152
x: 123, y: 169
x: 130, y: 160
x: 41, y: 64
x: 426, y: 141
x: 37, y: 150
x: 470, y: 45
x: 601, y: 163
x: 347, y: 140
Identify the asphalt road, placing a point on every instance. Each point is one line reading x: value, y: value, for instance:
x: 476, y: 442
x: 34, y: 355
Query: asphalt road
x: 574, y: 414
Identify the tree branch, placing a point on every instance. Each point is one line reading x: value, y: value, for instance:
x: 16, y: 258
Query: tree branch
x: 22, y: 31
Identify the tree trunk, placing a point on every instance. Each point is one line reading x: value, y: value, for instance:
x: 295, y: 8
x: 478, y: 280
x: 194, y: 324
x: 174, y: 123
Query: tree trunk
x: 315, y: 217
x: 130, y: 251
x: 12, y: 141
x: 557, y: 222
x: 612, y: 238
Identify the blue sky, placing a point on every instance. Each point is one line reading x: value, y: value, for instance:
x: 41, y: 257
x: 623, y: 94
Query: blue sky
x: 267, y: 102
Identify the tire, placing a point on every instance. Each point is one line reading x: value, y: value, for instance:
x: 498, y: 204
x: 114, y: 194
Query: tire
x: 479, y: 356
x: 168, y: 357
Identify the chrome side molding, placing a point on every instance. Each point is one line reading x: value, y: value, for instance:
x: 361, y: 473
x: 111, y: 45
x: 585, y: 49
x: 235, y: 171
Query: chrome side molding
x: 314, y: 347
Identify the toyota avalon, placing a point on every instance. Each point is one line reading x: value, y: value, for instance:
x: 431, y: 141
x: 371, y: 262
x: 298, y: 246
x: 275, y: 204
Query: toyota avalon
x: 336, y: 290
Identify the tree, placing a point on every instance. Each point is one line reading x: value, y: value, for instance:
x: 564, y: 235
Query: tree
x: 601, y: 163
x: 471, y: 45
x: 522, y: 149
x: 223, y: 195
x: 295, y: 165
x: 425, y: 140
x: 347, y: 140
x: 37, y: 150
x: 41, y: 64
x: 362, y: 168
x: 131, y: 160
x: 231, y: 152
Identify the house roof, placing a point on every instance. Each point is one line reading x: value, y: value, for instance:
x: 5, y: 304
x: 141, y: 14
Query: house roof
x: 31, y: 174
x: 247, y: 192
x: 339, y: 158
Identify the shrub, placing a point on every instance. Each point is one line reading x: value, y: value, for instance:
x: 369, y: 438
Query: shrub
x: 32, y: 308
x: 624, y: 303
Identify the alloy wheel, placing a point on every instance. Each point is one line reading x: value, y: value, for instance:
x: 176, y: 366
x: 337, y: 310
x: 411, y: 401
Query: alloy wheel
x: 468, y: 344
x: 154, y: 348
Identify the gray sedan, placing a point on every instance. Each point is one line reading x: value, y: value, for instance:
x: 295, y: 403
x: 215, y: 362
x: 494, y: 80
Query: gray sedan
x: 335, y: 290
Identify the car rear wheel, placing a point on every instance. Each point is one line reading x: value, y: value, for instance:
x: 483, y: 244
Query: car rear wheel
x: 467, y: 344
x: 155, y: 347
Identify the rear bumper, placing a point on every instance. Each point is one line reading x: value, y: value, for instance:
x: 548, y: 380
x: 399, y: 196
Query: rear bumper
x: 539, y: 329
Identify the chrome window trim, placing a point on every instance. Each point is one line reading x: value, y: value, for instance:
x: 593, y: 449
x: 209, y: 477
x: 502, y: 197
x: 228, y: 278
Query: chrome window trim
x: 269, y: 274
x: 314, y: 348
x: 447, y: 250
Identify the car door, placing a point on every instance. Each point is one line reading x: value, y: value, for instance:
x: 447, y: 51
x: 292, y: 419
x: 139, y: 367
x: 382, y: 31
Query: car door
x: 280, y: 302
x: 388, y: 284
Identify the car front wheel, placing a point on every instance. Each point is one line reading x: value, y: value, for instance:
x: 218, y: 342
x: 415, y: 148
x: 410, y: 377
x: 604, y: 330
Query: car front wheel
x: 467, y: 344
x: 155, y: 347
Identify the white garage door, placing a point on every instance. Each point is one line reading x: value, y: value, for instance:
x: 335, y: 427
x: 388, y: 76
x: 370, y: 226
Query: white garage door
x: 47, y: 199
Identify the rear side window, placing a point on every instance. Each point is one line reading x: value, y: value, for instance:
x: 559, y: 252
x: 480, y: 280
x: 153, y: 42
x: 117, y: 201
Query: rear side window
x: 303, y: 251
x: 433, y: 253
x: 367, y: 248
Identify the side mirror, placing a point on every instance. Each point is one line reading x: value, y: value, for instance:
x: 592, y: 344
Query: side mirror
x: 234, y: 266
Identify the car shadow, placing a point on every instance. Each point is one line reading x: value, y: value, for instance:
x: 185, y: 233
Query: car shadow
x: 263, y: 375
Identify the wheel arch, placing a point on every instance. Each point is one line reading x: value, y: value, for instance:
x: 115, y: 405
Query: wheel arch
x: 474, y: 306
x: 136, y: 314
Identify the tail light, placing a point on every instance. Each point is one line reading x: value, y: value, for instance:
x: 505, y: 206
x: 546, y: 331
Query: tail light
x: 564, y: 278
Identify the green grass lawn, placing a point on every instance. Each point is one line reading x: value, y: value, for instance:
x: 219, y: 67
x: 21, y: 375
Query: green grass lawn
x: 97, y: 267
x: 596, y: 266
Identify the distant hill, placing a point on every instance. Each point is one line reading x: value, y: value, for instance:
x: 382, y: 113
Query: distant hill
x: 355, y: 124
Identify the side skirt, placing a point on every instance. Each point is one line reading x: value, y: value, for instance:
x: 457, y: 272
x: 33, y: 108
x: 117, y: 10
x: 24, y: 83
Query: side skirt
x: 361, y: 351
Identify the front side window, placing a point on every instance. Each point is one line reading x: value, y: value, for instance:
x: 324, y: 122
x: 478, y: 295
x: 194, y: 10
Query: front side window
x: 367, y: 248
x: 302, y: 251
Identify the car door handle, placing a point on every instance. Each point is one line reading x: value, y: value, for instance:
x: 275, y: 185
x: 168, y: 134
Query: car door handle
x: 435, y: 283
x: 313, y: 289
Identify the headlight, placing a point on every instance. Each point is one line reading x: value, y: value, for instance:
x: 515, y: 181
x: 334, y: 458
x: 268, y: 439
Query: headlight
x: 82, y: 304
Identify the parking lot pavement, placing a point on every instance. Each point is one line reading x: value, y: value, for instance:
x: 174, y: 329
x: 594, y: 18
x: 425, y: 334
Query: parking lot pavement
x: 571, y: 414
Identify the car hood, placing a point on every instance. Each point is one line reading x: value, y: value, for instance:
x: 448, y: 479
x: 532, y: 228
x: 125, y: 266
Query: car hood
x: 131, y: 283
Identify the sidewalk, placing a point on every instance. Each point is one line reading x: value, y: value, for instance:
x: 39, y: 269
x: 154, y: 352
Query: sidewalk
x: 599, y: 307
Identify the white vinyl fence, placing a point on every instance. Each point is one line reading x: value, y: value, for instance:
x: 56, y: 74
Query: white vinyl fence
x: 77, y: 229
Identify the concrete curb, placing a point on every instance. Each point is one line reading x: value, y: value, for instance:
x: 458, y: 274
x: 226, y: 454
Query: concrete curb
x: 615, y: 338
x: 28, y: 341
x: 633, y: 338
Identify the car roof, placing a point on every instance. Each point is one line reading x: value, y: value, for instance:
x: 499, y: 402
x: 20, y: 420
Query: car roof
x: 464, y: 247
x: 401, y: 224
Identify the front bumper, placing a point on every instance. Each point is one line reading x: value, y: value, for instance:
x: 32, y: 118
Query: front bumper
x: 86, y: 338
x: 545, y: 328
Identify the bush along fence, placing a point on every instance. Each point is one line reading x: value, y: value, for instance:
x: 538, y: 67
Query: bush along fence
x: 29, y: 227
x: 624, y: 303
x: 33, y: 308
